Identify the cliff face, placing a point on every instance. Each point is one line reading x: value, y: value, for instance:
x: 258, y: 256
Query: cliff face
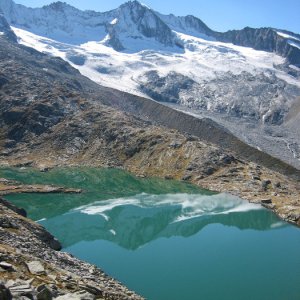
x: 265, y: 39
x: 5, y: 30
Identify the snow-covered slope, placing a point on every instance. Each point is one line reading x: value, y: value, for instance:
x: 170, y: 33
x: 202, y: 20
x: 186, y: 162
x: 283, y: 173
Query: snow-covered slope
x: 207, y: 75
x: 122, y: 28
x: 175, y: 59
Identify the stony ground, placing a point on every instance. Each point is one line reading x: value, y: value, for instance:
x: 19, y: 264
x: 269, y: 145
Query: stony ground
x: 31, y: 268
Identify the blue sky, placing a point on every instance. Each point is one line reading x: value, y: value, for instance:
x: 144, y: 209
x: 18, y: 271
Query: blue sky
x: 219, y: 15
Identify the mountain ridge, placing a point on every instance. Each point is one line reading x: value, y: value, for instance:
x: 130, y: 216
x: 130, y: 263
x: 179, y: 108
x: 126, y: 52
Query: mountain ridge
x: 137, y: 50
x: 144, y: 18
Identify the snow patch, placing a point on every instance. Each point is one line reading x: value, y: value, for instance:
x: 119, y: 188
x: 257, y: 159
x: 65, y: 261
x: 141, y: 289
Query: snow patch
x: 294, y: 44
x: 287, y: 36
x: 145, y: 5
x: 114, y: 21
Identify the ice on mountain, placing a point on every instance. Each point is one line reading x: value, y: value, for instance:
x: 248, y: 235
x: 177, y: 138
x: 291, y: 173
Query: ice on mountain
x: 114, y: 21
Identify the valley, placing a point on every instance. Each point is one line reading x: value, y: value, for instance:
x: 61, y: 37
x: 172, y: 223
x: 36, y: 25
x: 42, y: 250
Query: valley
x: 135, y: 138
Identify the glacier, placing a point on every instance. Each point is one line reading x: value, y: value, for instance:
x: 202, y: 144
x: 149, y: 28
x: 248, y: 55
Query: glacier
x: 178, y: 61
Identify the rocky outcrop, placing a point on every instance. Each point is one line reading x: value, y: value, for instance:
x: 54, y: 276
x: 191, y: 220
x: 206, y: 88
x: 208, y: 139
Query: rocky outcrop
x: 30, y: 267
x: 146, y: 21
x: 266, y: 39
x: 187, y: 24
x: 15, y: 187
x: 282, y: 42
x: 5, y: 29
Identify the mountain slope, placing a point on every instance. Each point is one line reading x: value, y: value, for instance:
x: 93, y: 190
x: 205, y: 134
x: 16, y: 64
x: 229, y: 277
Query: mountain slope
x: 5, y: 29
x: 122, y: 28
x: 284, y: 43
x: 281, y: 42
x: 41, y: 93
x: 51, y: 115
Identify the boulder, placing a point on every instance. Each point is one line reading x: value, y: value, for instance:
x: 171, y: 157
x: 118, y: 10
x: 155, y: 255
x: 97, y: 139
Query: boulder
x: 20, y: 289
x: 81, y: 295
x: 35, y: 267
x: 44, y: 293
x: 4, y: 292
x: 6, y: 266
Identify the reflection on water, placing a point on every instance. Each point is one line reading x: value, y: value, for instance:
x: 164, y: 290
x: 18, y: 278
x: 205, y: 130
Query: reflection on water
x: 98, y: 184
x: 166, y: 239
x: 132, y: 222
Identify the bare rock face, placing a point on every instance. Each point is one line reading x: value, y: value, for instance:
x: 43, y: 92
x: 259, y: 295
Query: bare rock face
x: 5, y: 293
x: 265, y: 39
x: 5, y: 29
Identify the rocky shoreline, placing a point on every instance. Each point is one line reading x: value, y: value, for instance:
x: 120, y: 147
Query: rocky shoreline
x: 14, y: 187
x: 31, y: 267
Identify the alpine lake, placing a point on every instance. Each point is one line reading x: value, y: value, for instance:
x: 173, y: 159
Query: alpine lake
x: 164, y: 239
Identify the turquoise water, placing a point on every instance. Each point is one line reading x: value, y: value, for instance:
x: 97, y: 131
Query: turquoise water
x: 166, y: 239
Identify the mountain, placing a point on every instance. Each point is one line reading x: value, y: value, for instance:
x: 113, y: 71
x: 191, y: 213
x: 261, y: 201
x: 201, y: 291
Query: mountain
x: 51, y: 115
x: 181, y: 62
x: 282, y: 42
x: 189, y: 25
x: 133, y: 22
x: 121, y: 28
x: 246, y: 80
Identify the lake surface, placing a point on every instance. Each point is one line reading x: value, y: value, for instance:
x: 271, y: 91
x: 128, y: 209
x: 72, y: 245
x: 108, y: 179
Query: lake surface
x: 167, y: 240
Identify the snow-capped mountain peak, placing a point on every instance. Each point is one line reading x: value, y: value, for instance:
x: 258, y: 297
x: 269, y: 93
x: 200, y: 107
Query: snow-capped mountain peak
x: 131, y: 27
x: 188, y: 24
x: 135, y: 24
